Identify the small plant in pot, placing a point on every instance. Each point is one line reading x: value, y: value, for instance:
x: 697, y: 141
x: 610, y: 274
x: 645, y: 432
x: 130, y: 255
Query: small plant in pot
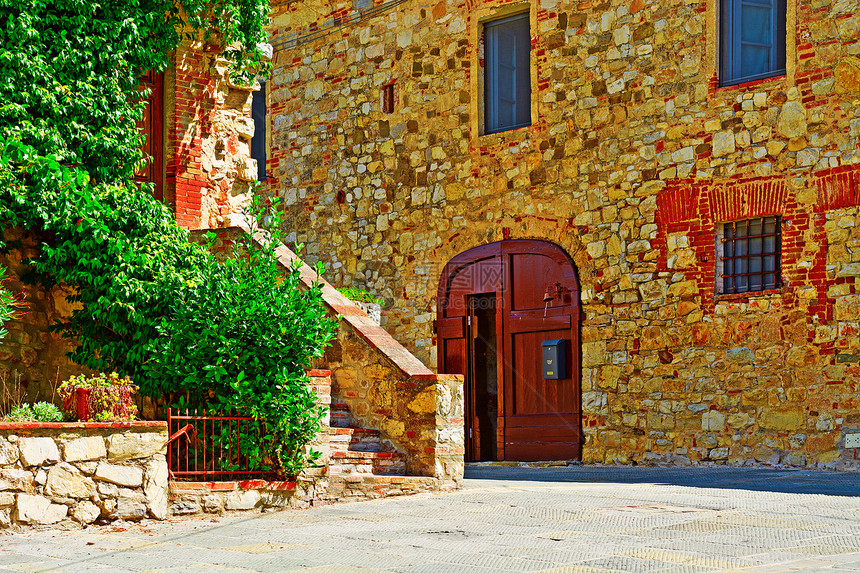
x: 99, y: 398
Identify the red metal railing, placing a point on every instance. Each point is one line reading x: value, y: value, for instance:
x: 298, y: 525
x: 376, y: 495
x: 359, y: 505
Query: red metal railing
x: 215, y: 446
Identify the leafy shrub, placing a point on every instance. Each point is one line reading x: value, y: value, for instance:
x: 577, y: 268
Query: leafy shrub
x: 359, y: 295
x: 110, y: 400
x: 38, y: 412
x: 241, y: 340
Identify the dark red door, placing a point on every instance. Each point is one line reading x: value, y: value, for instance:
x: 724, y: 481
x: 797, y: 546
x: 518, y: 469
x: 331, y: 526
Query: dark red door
x: 151, y: 125
x: 535, y: 293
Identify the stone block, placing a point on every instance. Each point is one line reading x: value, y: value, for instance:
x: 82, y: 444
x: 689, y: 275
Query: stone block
x: 847, y: 308
x: 847, y: 76
x: 65, y: 480
x: 129, y: 476
x: 12, y: 479
x: 792, y: 120
x: 133, y: 445
x: 37, y: 451
x: 84, y: 449
x: 85, y: 512
x: 38, y: 510
x: 8, y: 453
x: 713, y: 421
x: 785, y: 417
x: 155, y: 487
x: 242, y: 500
x: 131, y: 505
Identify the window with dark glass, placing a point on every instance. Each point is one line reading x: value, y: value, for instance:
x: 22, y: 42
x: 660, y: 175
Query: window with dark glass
x: 752, y: 43
x: 507, y: 89
x: 750, y: 255
x: 258, y: 141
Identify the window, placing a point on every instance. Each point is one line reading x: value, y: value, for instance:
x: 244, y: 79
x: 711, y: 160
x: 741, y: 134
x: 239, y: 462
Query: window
x: 388, y: 98
x: 258, y: 141
x: 752, y: 40
x: 748, y: 255
x: 507, y: 87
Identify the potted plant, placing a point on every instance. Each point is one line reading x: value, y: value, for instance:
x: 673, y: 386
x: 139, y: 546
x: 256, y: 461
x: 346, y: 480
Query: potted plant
x: 99, y: 398
x: 365, y: 301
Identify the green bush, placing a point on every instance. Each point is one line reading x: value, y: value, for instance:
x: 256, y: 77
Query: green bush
x: 38, y: 412
x: 241, y: 340
x: 359, y: 295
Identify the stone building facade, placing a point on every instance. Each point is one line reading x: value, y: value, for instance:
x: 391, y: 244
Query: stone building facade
x: 639, y: 156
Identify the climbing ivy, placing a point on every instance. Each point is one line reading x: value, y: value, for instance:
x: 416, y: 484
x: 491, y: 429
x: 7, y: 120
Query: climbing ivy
x: 150, y: 304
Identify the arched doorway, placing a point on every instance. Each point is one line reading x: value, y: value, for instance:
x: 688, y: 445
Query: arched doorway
x: 498, y: 306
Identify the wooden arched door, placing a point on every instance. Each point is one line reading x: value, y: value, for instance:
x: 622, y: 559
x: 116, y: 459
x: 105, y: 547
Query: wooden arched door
x: 497, y: 305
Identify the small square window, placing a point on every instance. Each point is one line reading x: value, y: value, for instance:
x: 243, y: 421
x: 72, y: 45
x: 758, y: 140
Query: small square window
x: 507, y: 74
x: 748, y: 256
x: 752, y: 42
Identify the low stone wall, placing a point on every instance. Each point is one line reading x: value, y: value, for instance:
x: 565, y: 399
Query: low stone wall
x: 82, y: 472
x: 189, y: 498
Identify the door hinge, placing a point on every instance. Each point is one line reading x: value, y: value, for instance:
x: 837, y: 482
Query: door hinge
x: 469, y: 320
x: 470, y: 433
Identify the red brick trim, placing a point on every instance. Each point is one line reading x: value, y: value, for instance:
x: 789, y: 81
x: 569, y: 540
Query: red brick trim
x: 746, y: 200
x: 838, y: 188
x: 79, y: 425
x: 232, y: 485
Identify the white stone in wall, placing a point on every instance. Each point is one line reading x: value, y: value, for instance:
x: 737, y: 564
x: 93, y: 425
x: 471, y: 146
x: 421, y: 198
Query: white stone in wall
x: 131, y: 504
x: 82, y: 449
x: 155, y: 487
x: 128, y: 476
x: 65, y: 480
x: 8, y: 453
x: 131, y: 446
x: 17, y: 480
x: 38, y: 510
x: 85, y: 512
x: 243, y: 500
x: 36, y: 451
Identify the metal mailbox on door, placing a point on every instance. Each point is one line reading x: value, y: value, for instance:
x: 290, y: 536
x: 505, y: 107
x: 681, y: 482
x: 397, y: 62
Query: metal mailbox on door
x: 554, y: 359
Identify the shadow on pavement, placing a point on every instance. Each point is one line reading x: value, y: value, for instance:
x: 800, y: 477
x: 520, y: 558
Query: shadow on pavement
x: 779, y: 480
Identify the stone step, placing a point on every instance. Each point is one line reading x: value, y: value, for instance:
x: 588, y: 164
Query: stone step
x: 356, y: 487
x: 343, y: 463
x: 357, y: 440
x: 339, y: 416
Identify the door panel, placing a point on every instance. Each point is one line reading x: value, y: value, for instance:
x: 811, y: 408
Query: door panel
x: 538, y: 299
x: 151, y: 127
x: 532, y: 394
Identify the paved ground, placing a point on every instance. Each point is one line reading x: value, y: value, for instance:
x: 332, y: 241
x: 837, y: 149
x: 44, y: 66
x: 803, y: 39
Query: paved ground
x: 558, y: 520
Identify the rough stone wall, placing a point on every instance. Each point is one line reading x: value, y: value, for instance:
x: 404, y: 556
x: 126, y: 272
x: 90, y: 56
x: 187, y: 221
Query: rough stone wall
x: 209, y: 129
x: 32, y: 358
x: 421, y: 416
x: 84, y: 472
x: 634, y: 156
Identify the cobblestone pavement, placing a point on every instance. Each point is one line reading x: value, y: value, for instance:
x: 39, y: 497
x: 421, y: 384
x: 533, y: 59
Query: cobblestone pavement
x: 549, y: 520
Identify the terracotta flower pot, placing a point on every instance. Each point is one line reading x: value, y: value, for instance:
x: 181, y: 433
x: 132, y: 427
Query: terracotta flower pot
x: 82, y: 407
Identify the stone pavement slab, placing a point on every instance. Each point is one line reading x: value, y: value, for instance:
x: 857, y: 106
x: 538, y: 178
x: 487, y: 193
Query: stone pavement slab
x: 581, y: 519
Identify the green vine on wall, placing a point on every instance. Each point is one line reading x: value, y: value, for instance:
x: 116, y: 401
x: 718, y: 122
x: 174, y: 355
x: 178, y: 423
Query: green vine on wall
x: 152, y: 306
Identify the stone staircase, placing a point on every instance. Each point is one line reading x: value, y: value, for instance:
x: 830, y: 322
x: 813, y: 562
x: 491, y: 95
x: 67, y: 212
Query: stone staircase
x: 360, y: 451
